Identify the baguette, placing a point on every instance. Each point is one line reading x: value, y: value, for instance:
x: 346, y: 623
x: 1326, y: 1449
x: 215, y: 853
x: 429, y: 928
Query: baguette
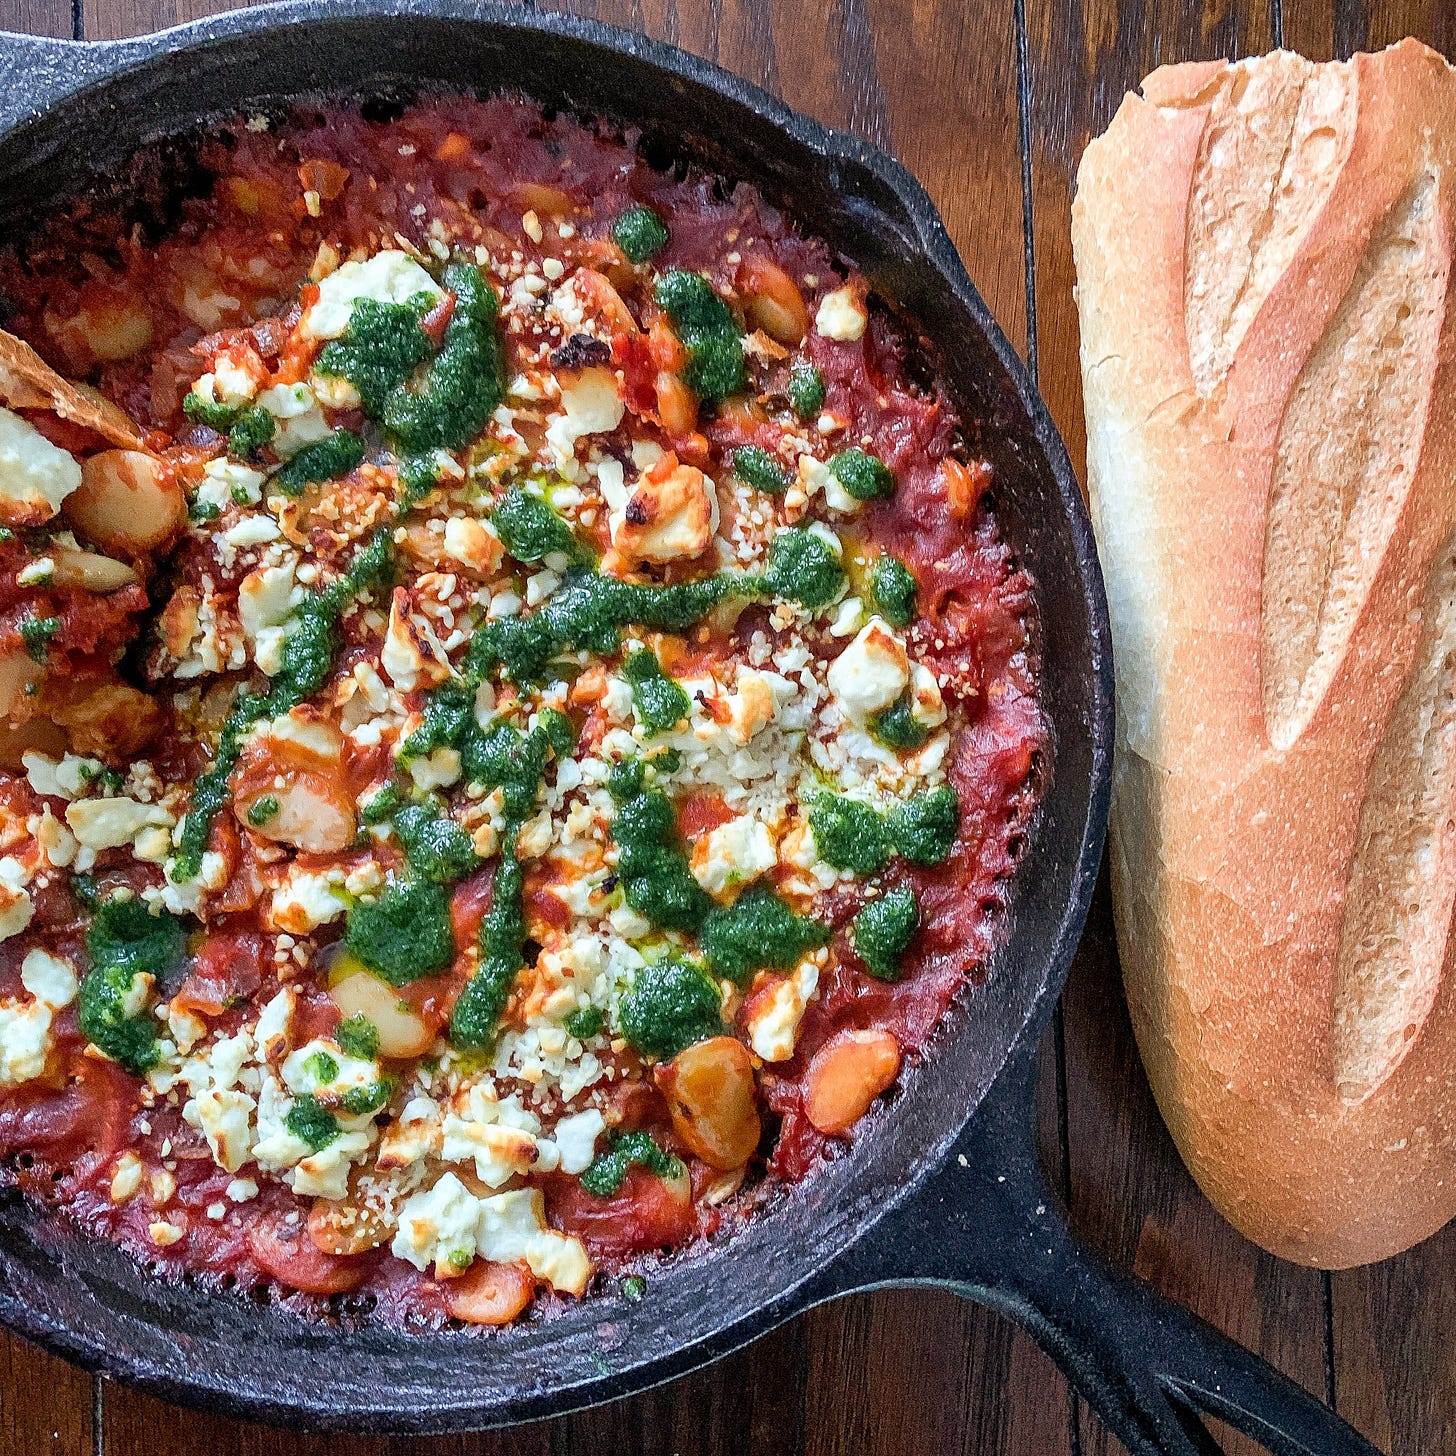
x: 1264, y: 254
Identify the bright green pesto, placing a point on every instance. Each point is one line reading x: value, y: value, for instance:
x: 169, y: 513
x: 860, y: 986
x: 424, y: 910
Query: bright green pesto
x: 404, y: 934
x: 248, y: 427
x: 418, y: 476
x: 125, y: 940
x: 754, y: 466
x: 864, y: 476
x: 586, y: 614
x: 893, y: 590
x: 855, y: 836
x: 328, y: 459
x: 758, y: 931
x: 427, y: 399
x: 36, y: 634
x: 262, y: 810
x: 883, y: 929
x: 806, y: 391
x: 897, y: 726
x: 322, y: 1067
x: 802, y: 567
x: 448, y: 714
x: 639, y: 233
x: 713, y: 342
x: 850, y: 834
x: 253, y: 429
x: 437, y: 848
x: 381, y: 805
x: 502, y: 941
x: 670, y: 1005
x: 358, y: 1037
x: 380, y: 349
x: 504, y: 757
x: 219, y: 417
x: 462, y: 384
x: 661, y: 702
x: 608, y: 1171
x: 361, y: 1101
x: 315, y: 1125
x: 530, y: 530
x: 924, y: 827
x: 652, y: 864
x: 585, y: 1022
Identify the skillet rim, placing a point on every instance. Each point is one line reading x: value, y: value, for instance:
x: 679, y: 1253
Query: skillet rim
x: 105, y: 61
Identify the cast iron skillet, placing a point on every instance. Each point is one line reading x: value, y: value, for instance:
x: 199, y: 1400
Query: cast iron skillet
x: 943, y: 1187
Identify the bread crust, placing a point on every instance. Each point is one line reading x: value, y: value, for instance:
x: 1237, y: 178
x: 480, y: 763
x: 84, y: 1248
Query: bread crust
x: 1264, y: 271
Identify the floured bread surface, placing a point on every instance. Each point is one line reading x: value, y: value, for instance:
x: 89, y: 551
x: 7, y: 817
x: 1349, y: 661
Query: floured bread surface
x: 1347, y: 454
x: 1275, y: 136
x: 1264, y: 265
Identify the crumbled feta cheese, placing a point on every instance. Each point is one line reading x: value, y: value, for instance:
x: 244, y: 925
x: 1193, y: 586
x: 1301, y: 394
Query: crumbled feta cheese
x: 25, y: 1041
x: 267, y: 599
x: 412, y: 655
x: 841, y: 315
x: 299, y: 419
x: 438, y: 1226
x: 226, y: 482
x: 447, y: 1226
x: 390, y: 276
x: 108, y: 823
x: 512, y: 1227
x: 35, y: 476
x: 224, y: 1118
x: 576, y: 1140
x: 590, y: 406
x: 670, y: 515
x: 305, y: 901
x: 872, y: 672
x: 473, y: 544
x: 497, y: 1134
x: 437, y: 770
x: 732, y: 854
x: 773, y: 1024
x: 49, y: 978
x: 254, y: 528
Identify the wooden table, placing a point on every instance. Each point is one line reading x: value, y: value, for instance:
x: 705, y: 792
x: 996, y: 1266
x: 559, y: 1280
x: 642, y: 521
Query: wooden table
x: 989, y: 102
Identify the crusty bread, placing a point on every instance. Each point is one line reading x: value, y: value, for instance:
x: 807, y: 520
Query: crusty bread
x: 1264, y: 261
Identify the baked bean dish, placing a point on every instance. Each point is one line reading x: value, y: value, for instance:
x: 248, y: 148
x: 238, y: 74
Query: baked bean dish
x: 517, y: 715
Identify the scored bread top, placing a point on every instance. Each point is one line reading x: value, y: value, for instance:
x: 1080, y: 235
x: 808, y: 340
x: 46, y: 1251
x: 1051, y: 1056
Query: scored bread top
x: 1264, y: 268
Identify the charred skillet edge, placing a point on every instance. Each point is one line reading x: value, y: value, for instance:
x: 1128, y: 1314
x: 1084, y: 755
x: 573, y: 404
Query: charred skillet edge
x: 36, y: 74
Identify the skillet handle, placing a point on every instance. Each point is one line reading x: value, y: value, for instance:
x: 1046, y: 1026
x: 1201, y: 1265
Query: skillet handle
x: 987, y: 1227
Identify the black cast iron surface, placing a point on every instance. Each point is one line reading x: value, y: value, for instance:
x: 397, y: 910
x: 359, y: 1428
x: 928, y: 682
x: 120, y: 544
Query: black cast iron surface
x: 943, y: 1187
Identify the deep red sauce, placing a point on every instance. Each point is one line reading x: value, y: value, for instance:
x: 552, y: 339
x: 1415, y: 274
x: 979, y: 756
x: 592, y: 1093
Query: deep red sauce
x: 488, y: 163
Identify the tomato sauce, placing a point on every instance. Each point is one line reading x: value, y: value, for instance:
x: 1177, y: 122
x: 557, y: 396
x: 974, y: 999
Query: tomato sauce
x: 242, y: 229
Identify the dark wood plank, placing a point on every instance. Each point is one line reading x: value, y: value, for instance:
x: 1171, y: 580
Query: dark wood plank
x: 890, y: 1373
x: 36, y: 17
x: 45, y: 1404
